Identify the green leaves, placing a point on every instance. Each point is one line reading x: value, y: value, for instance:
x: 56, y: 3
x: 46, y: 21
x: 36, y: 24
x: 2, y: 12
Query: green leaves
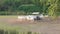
x: 52, y: 9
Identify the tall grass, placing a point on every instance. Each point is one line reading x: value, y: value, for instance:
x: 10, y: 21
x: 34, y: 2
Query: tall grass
x: 9, y: 29
x: 16, y: 32
x: 5, y: 29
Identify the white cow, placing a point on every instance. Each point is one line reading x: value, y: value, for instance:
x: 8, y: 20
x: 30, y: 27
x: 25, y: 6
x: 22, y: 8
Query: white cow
x: 28, y: 17
x: 21, y: 18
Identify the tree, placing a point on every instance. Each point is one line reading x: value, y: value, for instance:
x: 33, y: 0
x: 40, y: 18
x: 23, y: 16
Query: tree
x: 52, y: 9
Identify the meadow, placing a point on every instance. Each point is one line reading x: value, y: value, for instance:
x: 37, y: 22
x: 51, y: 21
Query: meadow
x: 9, y: 28
x: 36, y: 27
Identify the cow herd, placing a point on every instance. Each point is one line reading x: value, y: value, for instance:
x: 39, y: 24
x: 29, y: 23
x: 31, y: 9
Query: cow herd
x: 30, y: 17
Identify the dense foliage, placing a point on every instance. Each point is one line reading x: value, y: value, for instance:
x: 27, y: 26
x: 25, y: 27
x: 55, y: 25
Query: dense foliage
x: 19, y: 7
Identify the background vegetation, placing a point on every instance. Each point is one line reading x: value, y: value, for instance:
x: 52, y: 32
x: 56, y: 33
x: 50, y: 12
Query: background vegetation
x: 23, y: 7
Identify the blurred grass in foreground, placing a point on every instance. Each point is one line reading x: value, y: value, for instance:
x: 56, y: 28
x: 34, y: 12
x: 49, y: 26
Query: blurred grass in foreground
x: 6, y: 29
x: 17, y: 32
x: 9, y: 29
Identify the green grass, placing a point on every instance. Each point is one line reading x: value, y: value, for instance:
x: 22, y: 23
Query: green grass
x: 18, y: 28
x: 11, y: 29
x: 14, y: 29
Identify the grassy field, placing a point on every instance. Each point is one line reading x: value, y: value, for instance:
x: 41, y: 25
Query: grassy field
x: 16, y: 29
x: 39, y: 27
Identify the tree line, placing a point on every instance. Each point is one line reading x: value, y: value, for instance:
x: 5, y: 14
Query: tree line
x: 24, y: 7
